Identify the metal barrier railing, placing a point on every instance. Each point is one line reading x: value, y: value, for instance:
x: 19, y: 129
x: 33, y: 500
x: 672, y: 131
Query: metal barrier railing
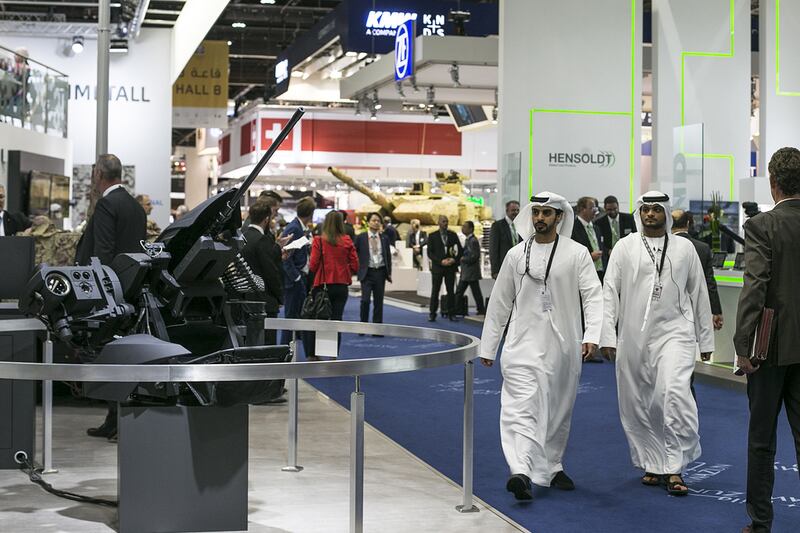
x: 465, y: 350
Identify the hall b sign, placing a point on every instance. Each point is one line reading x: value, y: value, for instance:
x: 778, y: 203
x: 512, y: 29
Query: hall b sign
x: 602, y: 159
x: 404, y: 51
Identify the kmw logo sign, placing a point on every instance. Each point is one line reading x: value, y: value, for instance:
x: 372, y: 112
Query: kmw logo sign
x: 385, y: 23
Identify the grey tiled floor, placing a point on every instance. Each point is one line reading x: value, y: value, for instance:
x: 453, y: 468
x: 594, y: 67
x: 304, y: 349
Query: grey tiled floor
x: 401, y: 493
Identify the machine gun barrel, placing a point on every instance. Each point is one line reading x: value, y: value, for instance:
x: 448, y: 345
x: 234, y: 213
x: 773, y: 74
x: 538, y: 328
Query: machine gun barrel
x: 233, y: 204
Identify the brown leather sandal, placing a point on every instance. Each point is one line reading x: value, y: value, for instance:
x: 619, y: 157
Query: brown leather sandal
x: 673, y: 486
x: 651, y: 480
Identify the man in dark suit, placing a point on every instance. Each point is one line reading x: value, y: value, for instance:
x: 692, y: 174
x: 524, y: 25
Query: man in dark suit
x: 11, y: 224
x: 390, y: 230
x: 117, y: 226
x: 295, y: 266
x: 374, y: 267
x: 682, y: 225
x: 471, y: 268
x: 263, y: 255
x: 585, y: 232
x: 444, y: 253
x: 502, y: 237
x: 613, y: 225
x: 349, y: 230
x: 416, y: 240
x: 772, y: 280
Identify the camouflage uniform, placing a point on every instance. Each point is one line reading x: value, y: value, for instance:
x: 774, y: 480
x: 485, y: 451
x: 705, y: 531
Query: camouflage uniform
x: 52, y: 246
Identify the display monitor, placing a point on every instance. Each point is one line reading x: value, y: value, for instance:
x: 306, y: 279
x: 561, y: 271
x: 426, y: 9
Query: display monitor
x: 719, y: 259
x: 45, y: 191
x: 738, y: 264
x: 16, y: 267
x: 467, y: 117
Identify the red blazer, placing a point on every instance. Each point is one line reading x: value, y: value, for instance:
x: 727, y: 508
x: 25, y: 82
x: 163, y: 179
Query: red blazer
x: 341, y: 261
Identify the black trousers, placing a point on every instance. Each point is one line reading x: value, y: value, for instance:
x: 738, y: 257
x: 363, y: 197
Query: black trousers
x: 373, y: 286
x: 337, y: 293
x: 767, y: 390
x: 475, y: 286
x: 449, y: 278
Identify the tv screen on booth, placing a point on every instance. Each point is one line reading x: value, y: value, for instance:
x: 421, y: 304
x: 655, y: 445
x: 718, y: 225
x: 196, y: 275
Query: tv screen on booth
x: 467, y: 116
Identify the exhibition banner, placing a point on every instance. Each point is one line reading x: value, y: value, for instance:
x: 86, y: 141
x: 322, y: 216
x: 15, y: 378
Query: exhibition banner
x: 200, y: 94
x: 779, y: 67
x: 701, y: 76
x: 570, y: 98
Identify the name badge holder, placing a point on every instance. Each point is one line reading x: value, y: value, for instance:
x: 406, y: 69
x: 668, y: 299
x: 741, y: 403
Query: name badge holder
x: 547, y: 302
x: 655, y: 295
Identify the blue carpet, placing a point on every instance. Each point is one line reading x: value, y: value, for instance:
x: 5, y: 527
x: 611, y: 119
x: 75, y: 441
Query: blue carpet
x: 421, y: 411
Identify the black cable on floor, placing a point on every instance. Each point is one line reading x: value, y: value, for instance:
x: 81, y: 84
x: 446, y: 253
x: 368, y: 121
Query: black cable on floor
x: 28, y: 468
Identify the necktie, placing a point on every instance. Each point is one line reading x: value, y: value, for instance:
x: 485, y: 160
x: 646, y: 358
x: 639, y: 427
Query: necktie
x: 513, y: 234
x: 598, y: 264
x: 614, y: 231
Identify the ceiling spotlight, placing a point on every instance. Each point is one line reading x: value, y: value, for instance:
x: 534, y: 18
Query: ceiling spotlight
x: 303, y: 188
x: 358, y: 107
x: 421, y: 105
x: 351, y: 54
x: 279, y: 187
x: 373, y: 115
x: 291, y: 188
x: 399, y: 85
x: 336, y: 74
x: 431, y: 96
x: 230, y: 43
x: 77, y: 44
x: 314, y: 184
x: 308, y: 167
x: 454, y: 75
x: 436, y: 116
x: 267, y: 1
x: 297, y: 73
x: 376, y: 104
x: 238, y: 25
x: 282, y: 166
x: 361, y: 55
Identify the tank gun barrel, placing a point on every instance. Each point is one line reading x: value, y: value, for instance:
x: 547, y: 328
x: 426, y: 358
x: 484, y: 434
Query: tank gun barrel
x: 376, y: 197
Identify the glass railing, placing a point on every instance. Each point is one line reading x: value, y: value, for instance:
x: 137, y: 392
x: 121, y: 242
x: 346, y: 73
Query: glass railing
x: 32, y: 95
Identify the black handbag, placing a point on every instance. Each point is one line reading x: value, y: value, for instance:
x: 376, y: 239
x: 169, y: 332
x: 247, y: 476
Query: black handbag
x: 317, y: 305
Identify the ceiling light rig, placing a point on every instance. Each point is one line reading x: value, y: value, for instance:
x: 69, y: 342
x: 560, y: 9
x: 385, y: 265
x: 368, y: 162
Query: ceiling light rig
x: 455, y: 75
x: 431, y: 97
x: 399, y: 86
x: 77, y: 44
x: 373, y: 115
x: 376, y: 104
x: 238, y: 25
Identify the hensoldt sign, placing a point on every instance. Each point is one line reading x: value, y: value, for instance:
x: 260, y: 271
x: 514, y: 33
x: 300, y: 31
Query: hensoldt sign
x: 575, y: 159
x: 404, y: 51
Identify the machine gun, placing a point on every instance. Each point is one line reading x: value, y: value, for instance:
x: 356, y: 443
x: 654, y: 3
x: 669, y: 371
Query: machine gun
x: 167, y: 301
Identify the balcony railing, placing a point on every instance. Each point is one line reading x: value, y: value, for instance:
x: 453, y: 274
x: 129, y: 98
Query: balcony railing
x: 32, y: 95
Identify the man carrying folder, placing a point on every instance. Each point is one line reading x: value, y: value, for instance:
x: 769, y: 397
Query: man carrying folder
x: 771, y: 281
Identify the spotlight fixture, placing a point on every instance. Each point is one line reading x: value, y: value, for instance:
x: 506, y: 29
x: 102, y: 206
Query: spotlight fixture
x: 455, y: 75
x: 77, y: 44
x: 436, y: 116
x: 376, y: 104
x: 336, y: 74
x: 358, y: 107
x: 314, y: 184
x: 118, y: 46
x: 373, y: 115
x: 431, y: 96
x: 268, y: 2
x: 238, y: 25
x: 399, y: 85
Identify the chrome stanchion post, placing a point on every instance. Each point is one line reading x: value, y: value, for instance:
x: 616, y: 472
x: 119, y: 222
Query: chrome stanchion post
x: 357, y: 459
x: 47, y: 413
x: 466, y: 505
x: 291, y: 387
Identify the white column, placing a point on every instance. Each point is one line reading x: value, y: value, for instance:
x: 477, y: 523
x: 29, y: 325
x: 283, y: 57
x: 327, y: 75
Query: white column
x: 570, y: 97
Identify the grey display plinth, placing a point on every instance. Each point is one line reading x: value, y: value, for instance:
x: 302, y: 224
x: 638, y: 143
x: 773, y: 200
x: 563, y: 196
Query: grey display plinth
x: 17, y: 399
x: 182, y: 469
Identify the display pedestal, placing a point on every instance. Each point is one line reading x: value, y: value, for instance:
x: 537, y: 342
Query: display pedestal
x: 182, y: 469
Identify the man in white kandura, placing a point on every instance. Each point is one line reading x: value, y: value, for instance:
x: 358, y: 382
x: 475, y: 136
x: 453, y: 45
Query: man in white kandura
x: 538, y: 293
x: 661, y: 316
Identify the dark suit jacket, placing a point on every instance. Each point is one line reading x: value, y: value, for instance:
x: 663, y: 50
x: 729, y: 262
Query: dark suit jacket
x: 579, y: 235
x: 362, y: 249
x: 391, y: 232
x: 350, y: 231
x: 499, y: 244
x: 627, y: 225
x: 772, y: 279
x: 706, y: 259
x: 298, y: 259
x: 437, y: 251
x: 117, y: 226
x: 14, y: 223
x: 263, y: 255
x: 423, y: 239
x: 471, y: 260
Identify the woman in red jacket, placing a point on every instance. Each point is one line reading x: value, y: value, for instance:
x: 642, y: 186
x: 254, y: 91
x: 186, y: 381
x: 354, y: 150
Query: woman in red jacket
x: 334, y: 262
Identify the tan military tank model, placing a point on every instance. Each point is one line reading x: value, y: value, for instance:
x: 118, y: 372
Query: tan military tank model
x: 420, y: 203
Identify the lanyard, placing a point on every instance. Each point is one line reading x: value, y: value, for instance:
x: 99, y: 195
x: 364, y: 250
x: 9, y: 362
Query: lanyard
x: 660, y: 267
x: 549, y: 261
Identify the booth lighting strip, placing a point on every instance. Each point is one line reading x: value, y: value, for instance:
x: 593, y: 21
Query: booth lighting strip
x: 598, y: 113
x: 729, y: 54
x: 778, y: 54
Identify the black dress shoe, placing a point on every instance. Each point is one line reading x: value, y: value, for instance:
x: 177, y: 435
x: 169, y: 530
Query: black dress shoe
x: 520, y: 486
x: 103, y: 431
x: 561, y: 481
x: 431, y: 318
x: 376, y: 335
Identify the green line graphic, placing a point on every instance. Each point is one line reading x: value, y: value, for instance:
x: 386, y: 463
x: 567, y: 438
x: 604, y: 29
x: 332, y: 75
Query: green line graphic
x: 778, y: 54
x: 598, y: 113
x: 729, y: 279
x: 729, y: 54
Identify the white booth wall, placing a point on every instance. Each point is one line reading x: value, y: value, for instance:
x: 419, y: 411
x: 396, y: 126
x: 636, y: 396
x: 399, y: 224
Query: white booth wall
x: 140, y: 110
x: 570, y: 83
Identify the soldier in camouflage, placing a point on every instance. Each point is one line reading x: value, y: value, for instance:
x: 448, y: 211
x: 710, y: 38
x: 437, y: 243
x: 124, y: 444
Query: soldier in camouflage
x: 52, y: 246
x: 153, y: 231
